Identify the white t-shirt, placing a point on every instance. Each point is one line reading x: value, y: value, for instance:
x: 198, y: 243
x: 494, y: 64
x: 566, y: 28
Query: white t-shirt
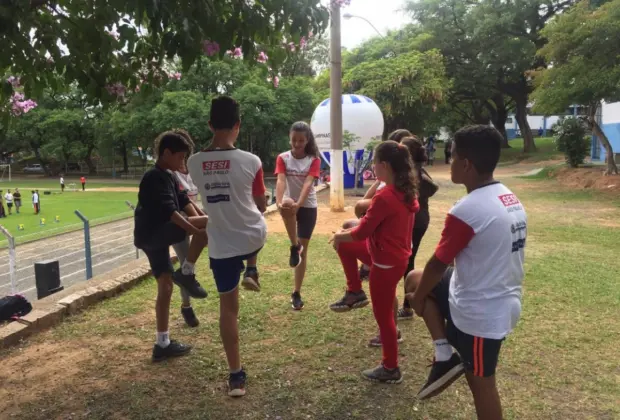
x: 297, y: 170
x: 227, y: 181
x: 485, y: 236
x: 187, y: 185
x: 62, y: 180
x: 35, y: 198
x: 9, y: 198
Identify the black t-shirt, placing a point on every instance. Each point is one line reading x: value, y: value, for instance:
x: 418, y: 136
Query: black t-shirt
x: 17, y: 196
x: 159, y: 197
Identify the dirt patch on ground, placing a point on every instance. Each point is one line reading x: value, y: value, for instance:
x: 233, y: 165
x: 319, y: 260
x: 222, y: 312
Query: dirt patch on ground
x: 328, y: 221
x: 587, y: 178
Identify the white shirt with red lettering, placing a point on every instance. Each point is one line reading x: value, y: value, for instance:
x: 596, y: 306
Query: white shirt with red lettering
x: 485, y: 234
x: 228, y: 180
x: 297, y: 170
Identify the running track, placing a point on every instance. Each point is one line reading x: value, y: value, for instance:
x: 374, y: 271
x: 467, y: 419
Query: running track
x: 111, y: 247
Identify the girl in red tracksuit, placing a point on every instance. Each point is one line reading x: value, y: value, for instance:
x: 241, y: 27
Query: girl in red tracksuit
x: 382, y: 240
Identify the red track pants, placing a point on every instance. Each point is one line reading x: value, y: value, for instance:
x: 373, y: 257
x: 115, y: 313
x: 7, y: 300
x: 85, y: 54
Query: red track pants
x: 383, y: 283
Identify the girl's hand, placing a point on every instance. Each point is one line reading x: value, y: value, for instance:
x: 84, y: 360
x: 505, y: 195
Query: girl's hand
x: 295, y: 208
x: 335, y: 240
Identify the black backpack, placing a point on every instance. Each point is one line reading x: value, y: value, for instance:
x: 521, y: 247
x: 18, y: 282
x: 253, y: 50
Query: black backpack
x: 14, y: 306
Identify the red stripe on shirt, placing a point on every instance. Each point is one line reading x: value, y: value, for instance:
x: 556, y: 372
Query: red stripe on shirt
x: 455, y: 237
x: 258, y: 185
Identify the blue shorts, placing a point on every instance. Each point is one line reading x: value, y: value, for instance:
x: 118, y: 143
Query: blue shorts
x: 227, y: 271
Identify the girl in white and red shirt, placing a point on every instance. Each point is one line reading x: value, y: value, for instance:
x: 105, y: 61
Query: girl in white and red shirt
x: 382, y: 240
x: 296, y: 199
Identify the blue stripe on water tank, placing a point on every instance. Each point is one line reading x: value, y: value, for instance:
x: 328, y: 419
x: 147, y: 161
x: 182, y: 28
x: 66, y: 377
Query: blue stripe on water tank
x: 355, y: 99
x: 368, y: 99
x: 325, y: 102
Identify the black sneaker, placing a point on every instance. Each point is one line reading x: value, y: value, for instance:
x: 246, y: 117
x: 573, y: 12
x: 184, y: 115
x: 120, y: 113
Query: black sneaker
x: 189, y: 316
x: 236, y: 384
x: 190, y: 284
x: 383, y: 375
x: 364, y: 273
x: 250, y: 280
x: 350, y: 300
x: 296, y: 301
x: 174, y: 349
x: 441, y: 376
x: 295, y: 258
x: 405, y: 313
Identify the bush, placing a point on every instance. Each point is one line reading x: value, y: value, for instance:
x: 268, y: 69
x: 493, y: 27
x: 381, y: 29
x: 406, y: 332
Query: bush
x: 570, y: 139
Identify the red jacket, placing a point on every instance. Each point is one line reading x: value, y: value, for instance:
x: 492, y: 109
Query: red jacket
x: 387, y: 227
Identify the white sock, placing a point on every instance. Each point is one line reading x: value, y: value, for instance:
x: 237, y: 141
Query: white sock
x: 163, y: 339
x: 233, y: 371
x: 443, y: 350
x: 187, y: 268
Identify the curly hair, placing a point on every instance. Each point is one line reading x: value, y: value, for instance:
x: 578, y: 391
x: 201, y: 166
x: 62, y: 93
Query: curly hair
x: 183, y: 141
x: 397, y: 156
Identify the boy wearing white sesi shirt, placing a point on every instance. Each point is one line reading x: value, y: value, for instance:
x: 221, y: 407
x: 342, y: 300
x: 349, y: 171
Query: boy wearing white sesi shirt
x: 473, y: 306
x: 232, y: 189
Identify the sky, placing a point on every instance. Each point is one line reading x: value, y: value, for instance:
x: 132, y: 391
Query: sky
x: 383, y: 14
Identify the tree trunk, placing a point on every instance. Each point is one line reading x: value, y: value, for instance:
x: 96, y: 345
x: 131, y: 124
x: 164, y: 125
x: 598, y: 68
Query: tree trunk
x: 44, y: 164
x: 526, y: 132
x: 499, y: 115
x: 612, y: 169
x: 89, y: 161
x: 124, y: 153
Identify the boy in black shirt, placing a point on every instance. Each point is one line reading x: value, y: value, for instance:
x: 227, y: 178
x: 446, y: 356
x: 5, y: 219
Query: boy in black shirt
x: 159, y: 224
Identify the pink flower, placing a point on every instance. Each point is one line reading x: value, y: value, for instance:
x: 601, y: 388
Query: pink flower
x: 210, y: 48
x: 291, y: 46
x: 262, y: 57
x: 237, y: 53
x: 228, y: 52
x: 113, y: 34
x: 303, y: 42
x: 311, y: 34
x: 117, y: 89
x: 276, y: 81
x: 19, y: 106
x: 137, y: 89
x: 13, y: 81
x: 176, y: 76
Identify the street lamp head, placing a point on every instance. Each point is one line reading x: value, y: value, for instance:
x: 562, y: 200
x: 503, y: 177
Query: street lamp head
x: 347, y: 16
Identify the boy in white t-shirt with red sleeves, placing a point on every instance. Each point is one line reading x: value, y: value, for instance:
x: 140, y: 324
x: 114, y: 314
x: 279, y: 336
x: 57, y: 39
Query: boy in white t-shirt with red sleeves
x: 232, y: 188
x: 474, y: 305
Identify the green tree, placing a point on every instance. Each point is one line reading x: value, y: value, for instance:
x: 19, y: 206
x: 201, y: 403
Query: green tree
x: 187, y: 110
x: 98, y: 43
x: 584, y: 48
x: 570, y: 139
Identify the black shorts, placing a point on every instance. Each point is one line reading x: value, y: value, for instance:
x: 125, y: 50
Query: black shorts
x: 9, y: 205
x: 306, y: 221
x: 157, y: 247
x: 479, y: 355
x: 227, y: 271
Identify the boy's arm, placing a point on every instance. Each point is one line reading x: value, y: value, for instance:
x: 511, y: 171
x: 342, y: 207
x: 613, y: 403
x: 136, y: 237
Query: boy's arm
x: 455, y: 237
x: 313, y: 173
x: 258, y: 190
x: 182, y: 222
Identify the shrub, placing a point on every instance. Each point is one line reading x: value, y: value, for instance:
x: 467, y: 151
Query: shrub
x: 571, y: 139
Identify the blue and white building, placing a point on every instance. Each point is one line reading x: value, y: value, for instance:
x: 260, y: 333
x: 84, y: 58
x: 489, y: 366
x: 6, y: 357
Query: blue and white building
x: 609, y: 121
x: 538, y: 123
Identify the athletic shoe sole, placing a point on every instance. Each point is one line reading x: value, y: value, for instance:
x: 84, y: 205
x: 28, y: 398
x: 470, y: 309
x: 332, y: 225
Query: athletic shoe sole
x: 295, y: 308
x: 390, y: 382
x: 172, y: 356
x: 249, y: 283
x: 442, y: 383
x: 356, y: 305
x: 236, y: 393
x: 301, y: 249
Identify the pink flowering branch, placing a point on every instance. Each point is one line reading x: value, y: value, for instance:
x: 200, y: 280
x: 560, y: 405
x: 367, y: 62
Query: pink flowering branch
x: 210, y: 48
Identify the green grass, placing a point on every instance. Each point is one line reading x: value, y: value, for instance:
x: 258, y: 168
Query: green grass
x: 44, y: 183
x: 545, y: 151
x: 561, y: 361
x: 99, y: 207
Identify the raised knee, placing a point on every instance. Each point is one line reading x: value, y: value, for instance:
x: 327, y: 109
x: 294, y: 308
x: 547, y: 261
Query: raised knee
x: 412, y: 281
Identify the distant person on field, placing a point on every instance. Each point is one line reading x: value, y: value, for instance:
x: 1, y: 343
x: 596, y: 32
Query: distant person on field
x: 35, y: 201
x: 62, y: 183
x: 232, y: 189
x: 430, y: 150
x: 159, y: 223
x: 472, y: 306
x: 83, y: 181
x: 8, y: 197
x: 447, y: 151
x: 17, y: 196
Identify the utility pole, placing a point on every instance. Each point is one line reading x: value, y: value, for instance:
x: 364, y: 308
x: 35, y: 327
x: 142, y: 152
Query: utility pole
x: 336, y: 193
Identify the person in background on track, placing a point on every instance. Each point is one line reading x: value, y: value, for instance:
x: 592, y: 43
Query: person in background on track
x: 297, y: 170
x: 83, y: 181
x: 447, y: 150
x: 8, y: 197
x: 36, y: 203
x: 62, y: 184
x: 362, y: 205
x: 430, y: 150
x: 18, y: 200
x: 382, y: 240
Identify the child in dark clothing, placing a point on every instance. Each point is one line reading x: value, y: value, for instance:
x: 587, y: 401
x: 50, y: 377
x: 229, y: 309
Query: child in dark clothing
x: 159, y: 224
